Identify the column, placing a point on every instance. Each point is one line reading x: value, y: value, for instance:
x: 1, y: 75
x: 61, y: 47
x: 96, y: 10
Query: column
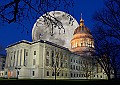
x: 15, y: 58
x: 18, y: 57
x: 22, y: 57
x: 6, y: 64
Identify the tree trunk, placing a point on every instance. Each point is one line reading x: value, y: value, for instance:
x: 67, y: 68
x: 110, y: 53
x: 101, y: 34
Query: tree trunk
x: 115, y: 74
x: 108, y: 75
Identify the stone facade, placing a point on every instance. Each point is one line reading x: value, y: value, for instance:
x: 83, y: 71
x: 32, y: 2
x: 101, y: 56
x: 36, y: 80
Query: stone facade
x: 42, y: 59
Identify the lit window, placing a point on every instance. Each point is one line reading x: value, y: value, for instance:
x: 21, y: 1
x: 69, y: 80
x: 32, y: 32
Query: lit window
x: 81, y: 44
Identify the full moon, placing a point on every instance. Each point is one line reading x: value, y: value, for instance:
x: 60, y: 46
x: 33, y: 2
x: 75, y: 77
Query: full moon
x: 42, y: 29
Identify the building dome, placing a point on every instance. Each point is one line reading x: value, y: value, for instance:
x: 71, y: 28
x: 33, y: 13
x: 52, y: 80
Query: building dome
x: 82, y: 28
x: 82, y: 42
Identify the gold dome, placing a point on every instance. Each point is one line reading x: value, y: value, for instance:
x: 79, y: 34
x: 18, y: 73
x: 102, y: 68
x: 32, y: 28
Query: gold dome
x: 82, y: 28
x: 82, y: 40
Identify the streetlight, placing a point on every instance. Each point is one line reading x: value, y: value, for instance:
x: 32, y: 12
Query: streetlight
x: 17, y: 68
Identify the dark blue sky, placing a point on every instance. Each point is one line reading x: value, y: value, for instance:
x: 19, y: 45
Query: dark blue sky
x: 10, y: 34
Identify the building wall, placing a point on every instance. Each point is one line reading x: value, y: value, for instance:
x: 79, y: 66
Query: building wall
x: 38, y: 60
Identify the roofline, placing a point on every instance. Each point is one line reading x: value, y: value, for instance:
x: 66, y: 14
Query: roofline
x: 22, y: 41
x: 43, y: 41
x: 50, y: 43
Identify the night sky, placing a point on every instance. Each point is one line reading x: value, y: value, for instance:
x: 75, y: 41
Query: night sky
x: 9, y: 33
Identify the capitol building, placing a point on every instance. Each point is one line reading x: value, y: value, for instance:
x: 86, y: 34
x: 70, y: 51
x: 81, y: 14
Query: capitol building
x: 43, y: 59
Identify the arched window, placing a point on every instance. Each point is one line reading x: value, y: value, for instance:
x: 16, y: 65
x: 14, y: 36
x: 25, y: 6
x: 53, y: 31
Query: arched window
x: 47, y: 73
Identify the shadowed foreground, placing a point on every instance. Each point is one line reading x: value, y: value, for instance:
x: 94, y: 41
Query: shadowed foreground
x: 57, y: 82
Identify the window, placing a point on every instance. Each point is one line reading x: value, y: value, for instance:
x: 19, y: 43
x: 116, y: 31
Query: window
x: 77, y: 75
x: 47, y: 73
x: 58, y: 74
x: 66, y: 65
x: 76, y: 67
x: 94, y: 75
x: 76, y: 61
x: 5, y: 73
x: 81, y: 44
x: 33, y: 73
x: 34, y: 52
x: 74, y: 75
x: 71, y: 60
x: 52, y: 73
x: 71, y: 66
x: 101, y: 76
x: 61, y: 63
x: 47, y: 53
x: 47, y: 62
x: 18, y: 73
x: 62, y: 74
x: 71, y: 74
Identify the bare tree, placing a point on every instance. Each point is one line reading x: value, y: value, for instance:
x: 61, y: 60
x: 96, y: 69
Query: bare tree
x: 107, y: 51
x: 23, y: 12
x: 107, y: 37
x: 109, y: 17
